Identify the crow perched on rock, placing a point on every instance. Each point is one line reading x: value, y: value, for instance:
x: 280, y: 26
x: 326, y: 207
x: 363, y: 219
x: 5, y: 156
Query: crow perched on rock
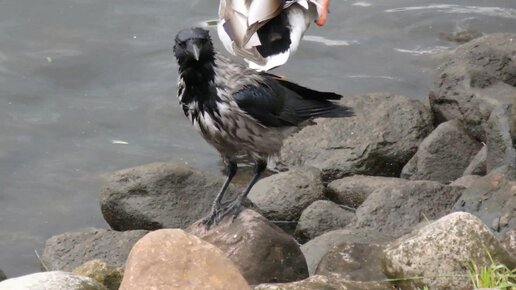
x: 240, y: 111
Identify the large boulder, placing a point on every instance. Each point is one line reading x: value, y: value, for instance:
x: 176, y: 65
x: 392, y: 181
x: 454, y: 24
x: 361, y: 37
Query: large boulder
x: 441, y: 251
x: 67, y: 251
x: 55, y: 280
x: 158, y: 195
x: 284, y: 196
x: 492, y: 198
x: 329, y: 282
x: 261, y: 251
x: 397, y: 210
x: 353, y: 190
x: 320, y: 217
x: 477, y: 166
x: 473, y: 80
x: 500, y: 146
x: 381, y: 137
x: 443, y: 155
x: 107, y: 275
x: 354, y: 261
x: 173, y: 259
x: 317, y: 248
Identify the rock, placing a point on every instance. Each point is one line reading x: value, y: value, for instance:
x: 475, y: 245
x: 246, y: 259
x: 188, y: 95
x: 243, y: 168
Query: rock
x: 443, y: 155
x: 500, y: 148
x: 477, y: 166
x: 331, y: 282
x: 2, y: 275
x: 102, y: 272
x: 460, y: 36
x: 261, y: 251
x: 465, y: 181
x: 55, y: 280
x: 158, y: 195
x: 397, y: 210
x: 443, y: 249
x: 354, y: 261
x: 315, y: 249
x: 353, y: 190
x: 492, y: 198
x: 510, y: 242
x: 473, y: 80
x: 284, y: 196
x: 173, y: 259
x: 320, y: 217
x: 381, y: 137
x: 67, y: 251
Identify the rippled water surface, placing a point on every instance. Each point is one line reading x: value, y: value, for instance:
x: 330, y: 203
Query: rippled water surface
x: 88, y: 87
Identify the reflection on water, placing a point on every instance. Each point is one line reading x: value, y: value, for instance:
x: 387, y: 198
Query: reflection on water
x: 88, y: 87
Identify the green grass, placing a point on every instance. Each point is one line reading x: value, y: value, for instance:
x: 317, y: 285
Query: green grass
x: 492, y: 276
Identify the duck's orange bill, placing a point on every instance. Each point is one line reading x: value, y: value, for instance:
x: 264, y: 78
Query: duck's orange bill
x: 324, y: 13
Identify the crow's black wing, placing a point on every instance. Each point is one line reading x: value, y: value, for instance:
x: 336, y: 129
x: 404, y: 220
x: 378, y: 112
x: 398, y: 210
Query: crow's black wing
x: 276, y: 105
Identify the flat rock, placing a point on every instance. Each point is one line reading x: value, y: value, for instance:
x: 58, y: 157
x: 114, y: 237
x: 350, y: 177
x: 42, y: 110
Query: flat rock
x: 158, y: 195
x: 473, y: 80
x: 443, y: 155
x: 443, y: 249
x: 501, y: 150
x: 465, y: 181
x: 55, y: 280
x: 284, y: 196
x: 353, y: 190
x: 102, y: 272
x: 381, y: 138
x: 492, y: 198
x: 317, y: 248
x: 397, y: 210
x: 477, y: 166
x: 330, y: 282
x: 320, y: 217
x: 173, y: 259
x: 68, y: 251
x: 354, y: 261
x: 261, y: 251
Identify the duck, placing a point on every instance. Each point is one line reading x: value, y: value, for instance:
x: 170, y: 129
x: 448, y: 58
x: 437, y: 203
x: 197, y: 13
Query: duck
x: 266, y: 32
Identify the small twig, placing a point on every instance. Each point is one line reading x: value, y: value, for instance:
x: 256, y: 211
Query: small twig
x: 41, y: 261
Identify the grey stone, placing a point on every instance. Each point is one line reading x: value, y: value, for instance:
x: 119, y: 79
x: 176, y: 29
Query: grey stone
x: 320, y: 217
x: 441, y: 250
x: 67, y: 251
x: 315, y: 249
x: 353, y: 190
x: 329, y: 282
x: 381, y: 137
x: 158, y: 195
x: 500, y: 148
x: 477, y: 166
x: 354, y: 261
x: 284, y: 196
x: 509, y: 242
x: 55, y: 280
x: 492, y: 198
x: 2, y: 275
x: 443, y: 155
x: 397, y: 210
x: 465, y: 181
x: 473, y: 80
x: 261, y: 251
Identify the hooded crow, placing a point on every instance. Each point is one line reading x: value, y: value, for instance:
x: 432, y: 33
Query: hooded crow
x: 241, y: 111
x: 266, y: 32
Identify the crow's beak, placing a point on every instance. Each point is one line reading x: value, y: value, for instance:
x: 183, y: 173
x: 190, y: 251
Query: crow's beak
x: 195, y: 51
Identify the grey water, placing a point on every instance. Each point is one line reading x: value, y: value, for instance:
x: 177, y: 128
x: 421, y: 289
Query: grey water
x: 87, y: 87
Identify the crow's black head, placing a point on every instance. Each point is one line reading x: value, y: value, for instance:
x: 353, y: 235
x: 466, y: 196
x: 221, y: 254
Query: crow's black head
x: 193, y: 45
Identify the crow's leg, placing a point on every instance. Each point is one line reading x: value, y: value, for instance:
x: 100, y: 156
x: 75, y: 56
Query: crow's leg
x: 231, y: 168
x: 234, y: 207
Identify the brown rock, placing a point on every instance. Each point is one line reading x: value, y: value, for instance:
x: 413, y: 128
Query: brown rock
x: 261, y: 250
x: 465, y: 181
x: 102, y: 272
x: 173, y: 259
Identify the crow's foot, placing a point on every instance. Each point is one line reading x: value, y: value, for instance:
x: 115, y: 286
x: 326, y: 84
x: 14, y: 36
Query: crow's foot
x: 232, y: 208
